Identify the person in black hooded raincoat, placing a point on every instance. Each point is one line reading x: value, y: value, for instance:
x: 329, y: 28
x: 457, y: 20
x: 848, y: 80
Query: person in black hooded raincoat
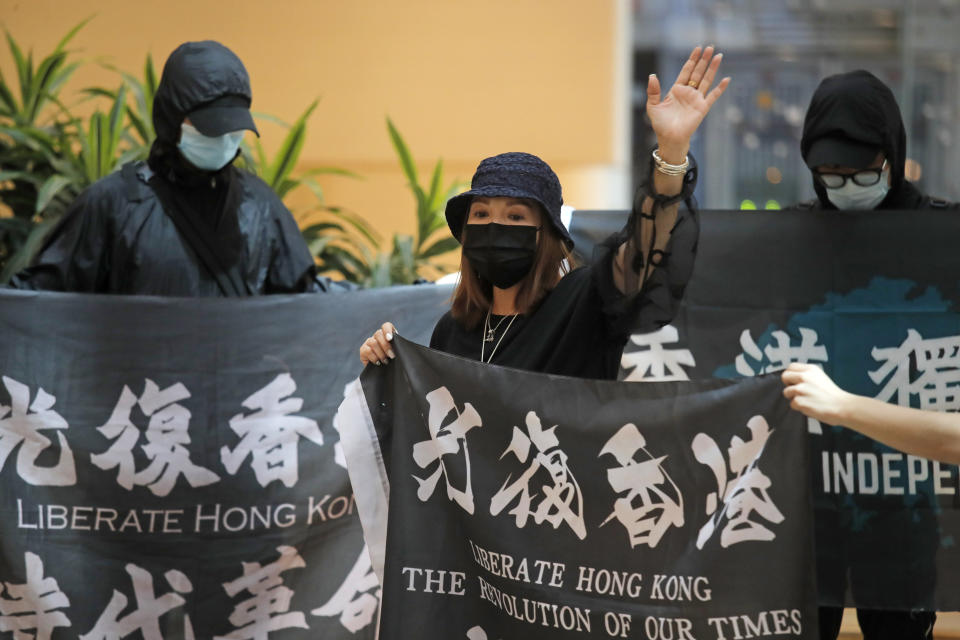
x: 186, y: 222
x: 853, y: 126
x: 854, y: 143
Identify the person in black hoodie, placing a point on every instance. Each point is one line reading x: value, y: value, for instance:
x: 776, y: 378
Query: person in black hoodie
x: 186, y: 222
x: 854, y: 143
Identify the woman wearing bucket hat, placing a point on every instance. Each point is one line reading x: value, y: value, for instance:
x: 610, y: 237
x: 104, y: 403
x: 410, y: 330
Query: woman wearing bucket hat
x: 520, y: 302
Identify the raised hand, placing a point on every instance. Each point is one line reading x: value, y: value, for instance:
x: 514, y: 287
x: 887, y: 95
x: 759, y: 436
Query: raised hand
x: 677, y: 115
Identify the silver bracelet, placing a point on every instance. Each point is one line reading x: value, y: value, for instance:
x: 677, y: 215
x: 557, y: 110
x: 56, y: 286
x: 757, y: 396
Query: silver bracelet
x: 668, y: 169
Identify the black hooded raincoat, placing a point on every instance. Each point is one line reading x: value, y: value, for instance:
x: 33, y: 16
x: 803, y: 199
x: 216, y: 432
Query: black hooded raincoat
x: 858, y: 106
x: 118, y: 238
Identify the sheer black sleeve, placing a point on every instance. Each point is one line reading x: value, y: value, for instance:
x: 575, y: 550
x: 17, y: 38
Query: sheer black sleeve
x: 642, y: 270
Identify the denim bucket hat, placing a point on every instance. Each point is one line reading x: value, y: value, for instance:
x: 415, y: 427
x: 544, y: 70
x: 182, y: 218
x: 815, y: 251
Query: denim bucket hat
x: 511, y: 175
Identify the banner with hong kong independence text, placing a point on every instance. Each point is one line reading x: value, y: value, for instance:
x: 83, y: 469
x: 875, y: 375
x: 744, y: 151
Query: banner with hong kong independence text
x: 874, y: 298
x: 505, y: 504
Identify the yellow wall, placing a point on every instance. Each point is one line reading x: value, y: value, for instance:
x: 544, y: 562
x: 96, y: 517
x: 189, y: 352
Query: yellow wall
x: 462, y: 80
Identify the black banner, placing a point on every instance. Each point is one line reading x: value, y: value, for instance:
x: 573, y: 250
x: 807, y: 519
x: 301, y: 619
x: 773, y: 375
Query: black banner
x: 521, y: 505
x: 169, y: 468
x: 874, y: 298
x: 129, y: 458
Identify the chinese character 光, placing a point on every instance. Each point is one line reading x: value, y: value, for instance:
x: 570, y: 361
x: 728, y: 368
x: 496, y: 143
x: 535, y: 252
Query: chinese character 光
x: 447, y: 447
x: 22, y: 422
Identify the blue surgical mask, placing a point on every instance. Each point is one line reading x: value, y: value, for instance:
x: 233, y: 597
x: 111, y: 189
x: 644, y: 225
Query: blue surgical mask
x: 204, y: 152
x: 853, y: 196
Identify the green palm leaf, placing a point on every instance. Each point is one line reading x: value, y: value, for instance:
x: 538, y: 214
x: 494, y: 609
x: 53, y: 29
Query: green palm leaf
x: 406, y: 160
x: 289, y: 152
x: 50, y: 189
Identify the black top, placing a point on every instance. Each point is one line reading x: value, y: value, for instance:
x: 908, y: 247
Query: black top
x: 580, y: 328
x: 117, y: 238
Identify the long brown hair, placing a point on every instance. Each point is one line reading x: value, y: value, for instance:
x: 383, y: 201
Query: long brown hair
x: 473, y: 296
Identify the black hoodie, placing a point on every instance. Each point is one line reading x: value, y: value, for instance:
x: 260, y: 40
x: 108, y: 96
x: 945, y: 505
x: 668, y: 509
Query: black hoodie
x: 858, y: 106
x: 117, y: 238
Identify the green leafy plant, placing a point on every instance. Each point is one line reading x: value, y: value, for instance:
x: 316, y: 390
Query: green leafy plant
x: 337, y: 237
x: 31, y: 148
x: 48, y: 156
x: 139, y: 133
x: 37, y: 85
x: 417, y: 253
x: 79, y: 154
x: 408, y: 258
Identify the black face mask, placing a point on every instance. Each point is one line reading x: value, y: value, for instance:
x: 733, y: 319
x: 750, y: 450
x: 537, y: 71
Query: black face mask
x: 502, y: 254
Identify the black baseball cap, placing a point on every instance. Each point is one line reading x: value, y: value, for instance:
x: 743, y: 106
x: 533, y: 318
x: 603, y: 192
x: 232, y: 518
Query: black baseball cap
x: 223, y: 115
x: 841, y: 152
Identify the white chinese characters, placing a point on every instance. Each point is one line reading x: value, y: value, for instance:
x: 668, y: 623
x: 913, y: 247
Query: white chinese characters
x: 270, y: 435
x: 935, y: 360
x: 652, y: 503
x: 652, y: 361
x: 561, y: 499
x: 357, y: 599
x: 737, y: 498
x: 21, y: 424
x: 167, y: 436
x: 446, y: 447
x: 268, y: 607
x: 33, y: 605
x: 112, y: 624
x: 778, y: 355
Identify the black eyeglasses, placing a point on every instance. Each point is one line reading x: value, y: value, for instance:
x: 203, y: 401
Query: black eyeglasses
x: 864, y: 178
